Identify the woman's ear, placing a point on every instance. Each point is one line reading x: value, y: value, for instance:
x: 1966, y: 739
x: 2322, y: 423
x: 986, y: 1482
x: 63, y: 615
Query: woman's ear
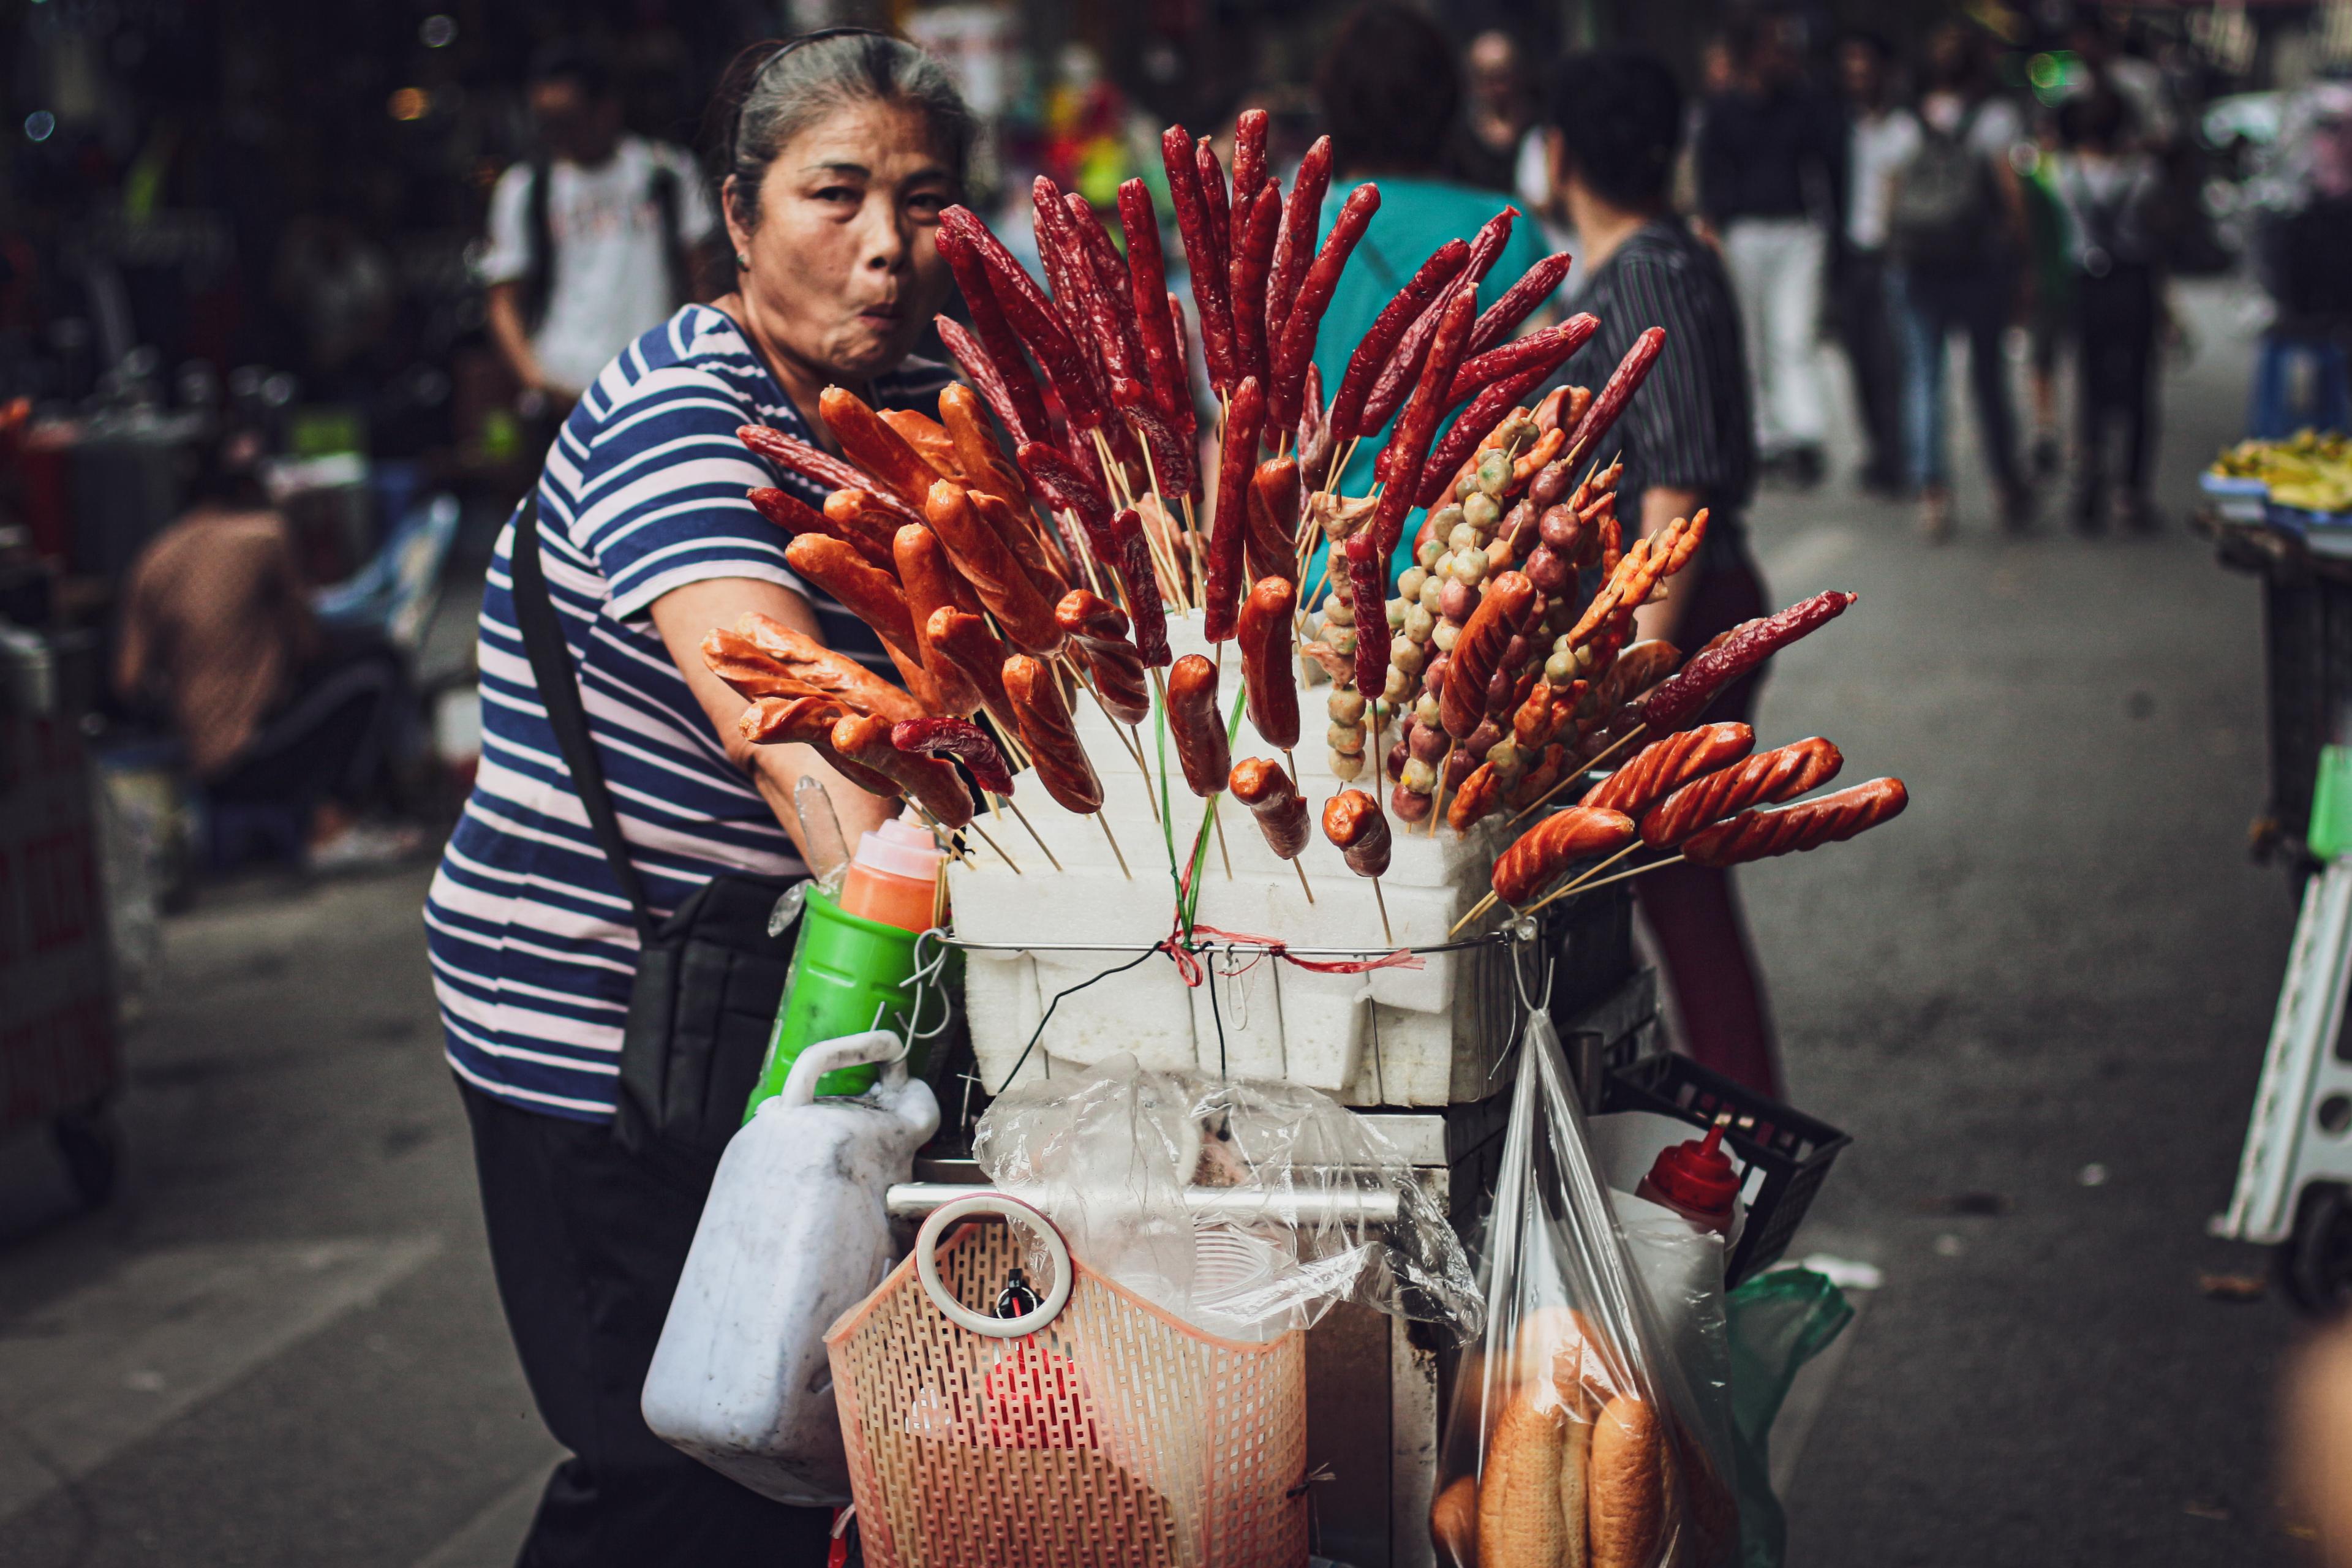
x: 739, y: 234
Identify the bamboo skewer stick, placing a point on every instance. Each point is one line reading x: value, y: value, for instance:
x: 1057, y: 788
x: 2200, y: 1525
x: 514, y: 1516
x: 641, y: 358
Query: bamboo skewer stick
x: 992, y: 844
x: 1023, y: 817
x: 1620, y: 877
x: 1218, y: 821
x: 1302, y: 880
x: 1192, y: 551
x: 1118, y: 853
x: 1387, y: 935
x: 1610, y: 750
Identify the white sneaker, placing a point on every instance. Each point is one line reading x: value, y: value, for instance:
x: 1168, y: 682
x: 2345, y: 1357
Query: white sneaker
x: 365, y: 846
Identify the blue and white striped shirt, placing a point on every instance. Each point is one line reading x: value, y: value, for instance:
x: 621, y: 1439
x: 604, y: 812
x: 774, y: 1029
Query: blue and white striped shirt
x: 533, y: 947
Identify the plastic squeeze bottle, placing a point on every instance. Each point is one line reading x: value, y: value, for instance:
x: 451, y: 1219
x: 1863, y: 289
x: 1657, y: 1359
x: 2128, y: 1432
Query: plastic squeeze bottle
x: 1695, y: 1180
x: 891, y: 879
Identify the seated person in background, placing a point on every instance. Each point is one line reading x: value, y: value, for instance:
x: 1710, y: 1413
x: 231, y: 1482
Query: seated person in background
x: 216, y: 633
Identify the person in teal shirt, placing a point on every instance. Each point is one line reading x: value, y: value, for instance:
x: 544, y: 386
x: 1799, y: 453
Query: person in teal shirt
x: 1391, y: 94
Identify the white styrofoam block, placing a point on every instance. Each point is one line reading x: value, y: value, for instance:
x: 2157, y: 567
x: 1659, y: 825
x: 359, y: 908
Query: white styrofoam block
x: 1239, y: 1002
x: 1325, y: 1018
x: 1000, y: 996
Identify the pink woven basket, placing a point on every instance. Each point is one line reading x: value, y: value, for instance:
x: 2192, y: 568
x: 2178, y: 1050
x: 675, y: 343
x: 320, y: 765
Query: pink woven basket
x: 1105, y: 1433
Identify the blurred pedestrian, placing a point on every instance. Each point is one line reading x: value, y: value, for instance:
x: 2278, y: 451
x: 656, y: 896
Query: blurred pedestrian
x: 216, y: 634
x: 1956, y: 231
x: 2049, y: 295
x: 841, y: 149
x: 1772, y: 166
x: 597, y: 237
x: 1688, y: 441
x: 1498, y: 108
x: 340, y: 286
x: 1390, y: 97
x: 2107, y: 187
x: 1881, y: 136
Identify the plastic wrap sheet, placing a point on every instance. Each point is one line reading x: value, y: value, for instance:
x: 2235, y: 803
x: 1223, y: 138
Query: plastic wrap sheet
x: 1109, y: 1157
x: 1589, y: 1427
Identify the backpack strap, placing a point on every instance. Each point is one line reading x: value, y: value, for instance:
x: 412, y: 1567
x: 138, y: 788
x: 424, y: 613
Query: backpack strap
x: 539, y: 242
x: 559, y: 692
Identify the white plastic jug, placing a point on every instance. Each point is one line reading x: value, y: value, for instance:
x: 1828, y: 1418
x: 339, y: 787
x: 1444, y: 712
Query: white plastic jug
x: 794, y: 1232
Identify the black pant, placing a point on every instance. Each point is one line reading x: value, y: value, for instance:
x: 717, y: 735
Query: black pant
x: 1865, y: 325
x: 587, y: 1242
x: 2115, y: 317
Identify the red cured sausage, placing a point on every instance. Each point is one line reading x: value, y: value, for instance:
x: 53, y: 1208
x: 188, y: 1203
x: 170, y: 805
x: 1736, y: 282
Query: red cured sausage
x: 1083, y: 317
x: 1408, y: 444
x: 1380, y: 339
x: 872, y: 596
x: 1766, y: 778
x: 1110, y: 287
x: 990, y: 345
x: 1519, y: 302
x: 821, y: 466
x: 928, y: 782
x: 789, y: 513
x: 1664, y: 766
x: 1807, y: 824
x: 1402, y: 372
x: 1353, y: 821
x: 1147, y: 271
x: 1141, y: 579
x: 994, y: 572
x: 1216, y: 200
x: 955, y: 738
x: 1034, y: 317
x: 1227, y: 533
x: 1253, y: 258
x: 1260, y: 783
x: 1460, y: 440
x: 1249, y: 168
x: 1367, y: 593
x: 843, y: 679
x: 1548, y: 848
x: 1100, y: 629
x: 1501, y: 614
x: 1551, y: 348
x: 1302, y: 313
x: 1684, y: 696
x: 1196, y: 726
x: 1262, y: 635
x: 1172, y: 470
x: 1204, y: 253
x: 1052, y: 741
x: 1617, y: 392
x: 1067, y: 488
x: 1302, y: 214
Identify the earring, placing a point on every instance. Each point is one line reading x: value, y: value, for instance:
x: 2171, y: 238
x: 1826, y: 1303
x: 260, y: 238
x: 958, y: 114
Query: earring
x: 743, y: 259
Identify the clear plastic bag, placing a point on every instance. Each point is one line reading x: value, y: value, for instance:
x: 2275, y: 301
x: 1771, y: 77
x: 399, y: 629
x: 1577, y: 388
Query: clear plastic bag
x: 1245, y: 1206
x: 1577, y: 1436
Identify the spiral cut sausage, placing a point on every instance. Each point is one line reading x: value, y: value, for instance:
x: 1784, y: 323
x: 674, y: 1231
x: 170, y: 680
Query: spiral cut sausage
x: 960, y: 739
x: 1807, y: 824
x: 1664, y: 766
x: 932, y: 585
x: 928, y: 782
x: 875, y: 447
x: 1501, y: 614
x: 1052, y: 741
x: 795, y: 516
x: 1548, y: 848
x: 1260, y: 783
x: 868, y: 593
x: 1682, y: 699
x: 1766, y: 778
x: 808, y: 722
x: 1637, y: 669
x: 963, y: 414
x: 845, y: 681
x: 733, y: 659
x: 1100, y: 629
x: 1352, y: 820
x: 1197, y: 726
x: 1262, y: 635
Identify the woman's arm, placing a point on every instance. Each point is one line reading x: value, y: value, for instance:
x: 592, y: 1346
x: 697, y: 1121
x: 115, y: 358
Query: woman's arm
x: 683, y: 617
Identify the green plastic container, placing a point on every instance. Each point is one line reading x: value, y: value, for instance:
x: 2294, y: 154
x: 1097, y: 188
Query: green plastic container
x: 848, y: 976
x: 2331, y: 805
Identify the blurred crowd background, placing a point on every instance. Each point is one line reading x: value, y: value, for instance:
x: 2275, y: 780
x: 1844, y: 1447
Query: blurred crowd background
x: 247, y: 252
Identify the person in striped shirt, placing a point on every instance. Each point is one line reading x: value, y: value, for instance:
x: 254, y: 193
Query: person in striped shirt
x: 1689, y: 441
x: 842, y: 151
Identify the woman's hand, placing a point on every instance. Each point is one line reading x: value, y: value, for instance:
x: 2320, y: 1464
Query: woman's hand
x: 683, y: 617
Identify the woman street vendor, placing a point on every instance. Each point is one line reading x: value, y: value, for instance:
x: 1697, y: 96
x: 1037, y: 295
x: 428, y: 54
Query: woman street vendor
x: 842, y: 148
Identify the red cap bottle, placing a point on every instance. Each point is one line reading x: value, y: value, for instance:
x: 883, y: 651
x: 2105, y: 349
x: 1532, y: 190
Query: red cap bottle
x: 1695, y: 1180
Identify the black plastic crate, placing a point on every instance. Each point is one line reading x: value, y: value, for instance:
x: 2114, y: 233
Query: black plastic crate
x: 1792, y: 1150
x: 2307, y: 643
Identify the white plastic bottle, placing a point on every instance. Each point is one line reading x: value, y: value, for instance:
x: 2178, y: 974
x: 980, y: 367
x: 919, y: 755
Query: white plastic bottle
x: 795, y: 1234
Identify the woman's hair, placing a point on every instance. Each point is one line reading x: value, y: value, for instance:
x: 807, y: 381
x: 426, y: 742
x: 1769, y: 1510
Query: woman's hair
x: 776, y: 90
x: 1389, y: 88
x: 1620, y: 113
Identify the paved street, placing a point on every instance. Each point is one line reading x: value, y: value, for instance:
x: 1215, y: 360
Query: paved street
x: 2038, y: 1002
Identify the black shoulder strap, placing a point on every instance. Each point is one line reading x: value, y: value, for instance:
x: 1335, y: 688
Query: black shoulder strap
x: 538, y: 273
x: 664, y: 190
x: 559, y: 691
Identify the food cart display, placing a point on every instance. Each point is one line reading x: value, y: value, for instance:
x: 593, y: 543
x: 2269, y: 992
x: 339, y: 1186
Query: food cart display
x: 1272, y: 1032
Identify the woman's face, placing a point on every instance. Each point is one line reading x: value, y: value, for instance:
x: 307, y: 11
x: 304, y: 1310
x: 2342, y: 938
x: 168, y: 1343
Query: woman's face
x: 844, y: 270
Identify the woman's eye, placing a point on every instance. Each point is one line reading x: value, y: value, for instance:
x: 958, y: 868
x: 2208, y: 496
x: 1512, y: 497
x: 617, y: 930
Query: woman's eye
x: 840, y: 193
x: 928, y: 205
